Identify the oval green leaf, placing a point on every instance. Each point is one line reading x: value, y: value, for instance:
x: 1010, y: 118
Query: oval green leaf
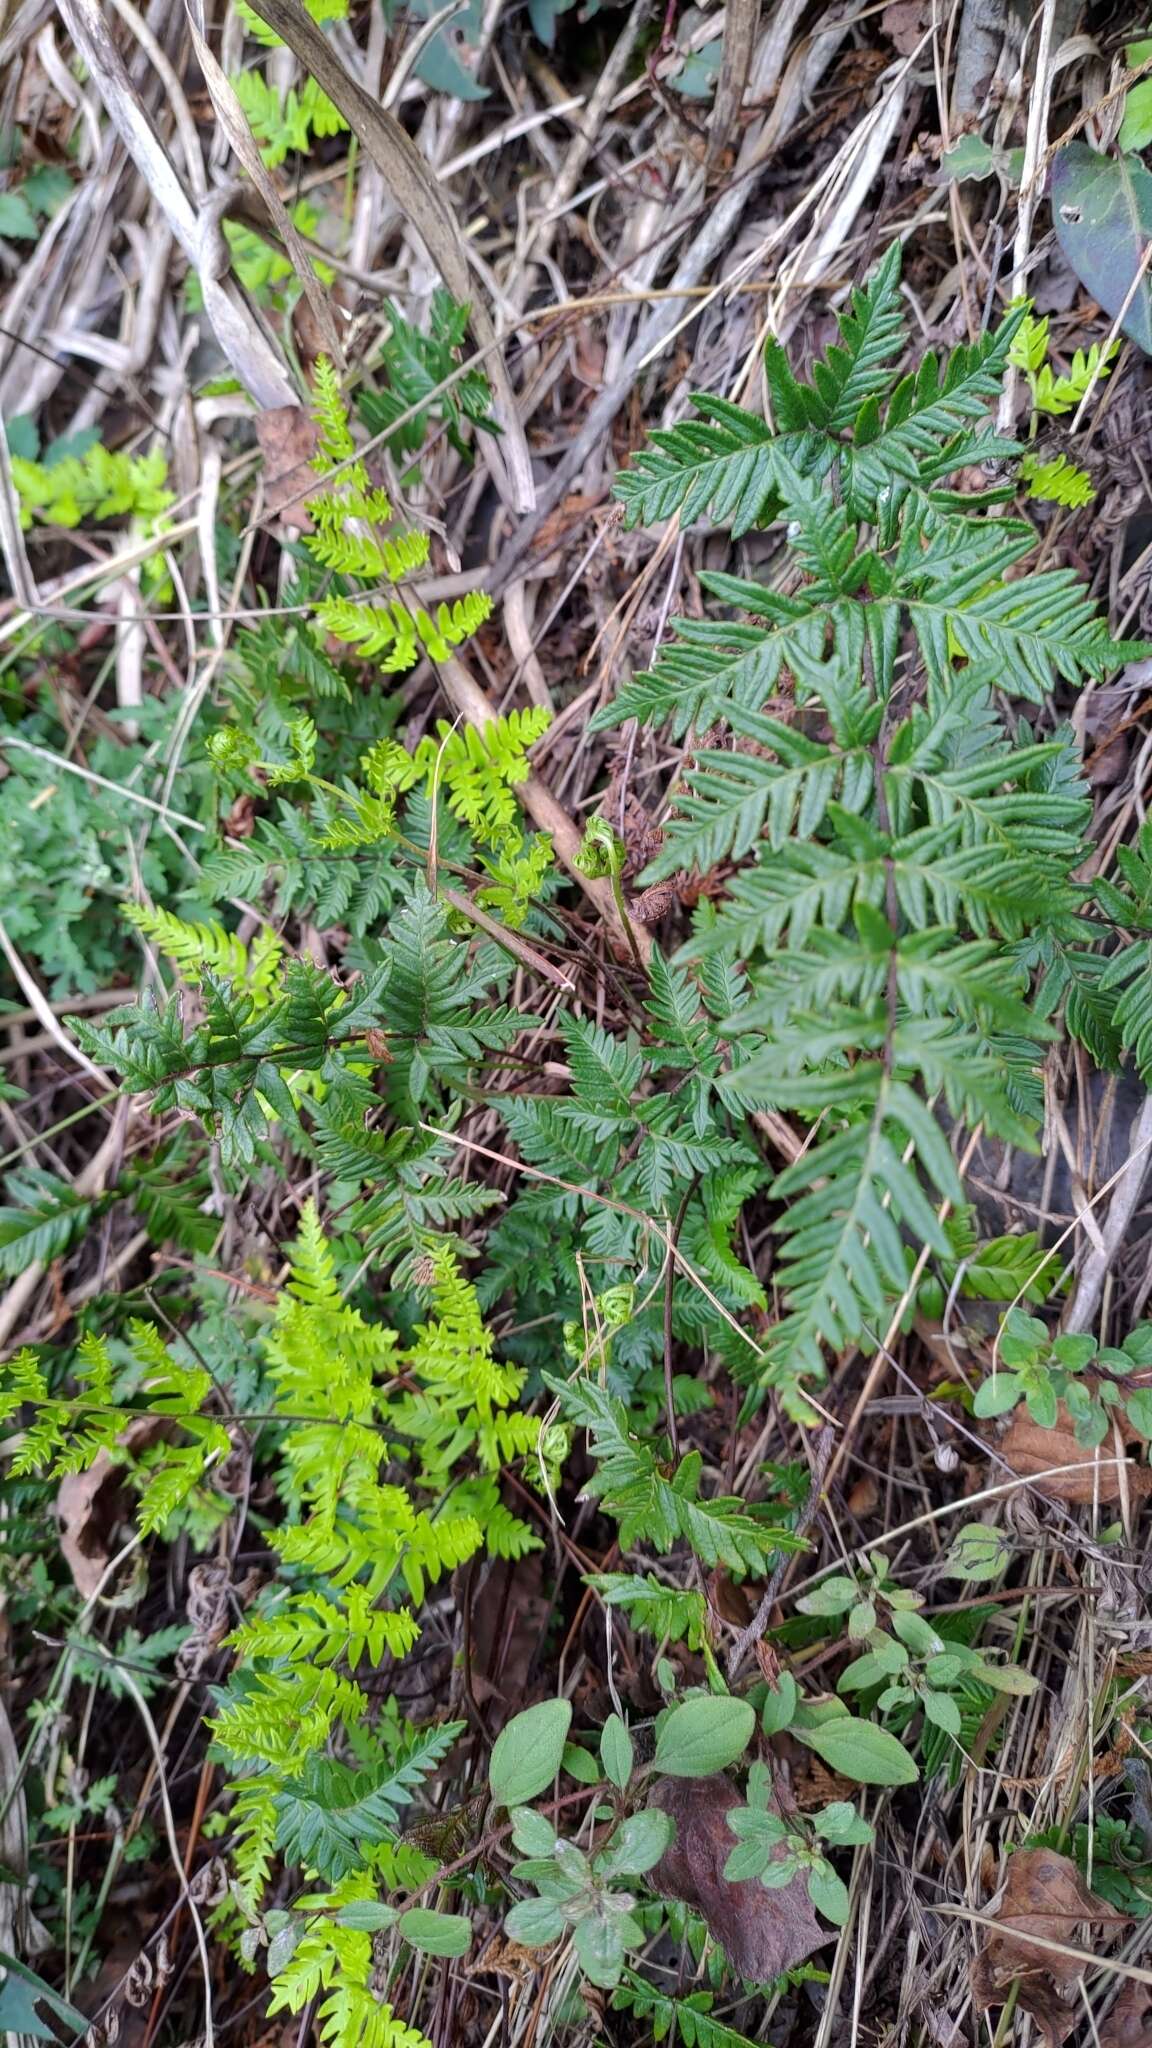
x: 616, y: 1751
x: 436, y: 1934
x: 528, y: 1752
x: 704, y: 1735
x: 861, y: 1751
x: 1102, y: 214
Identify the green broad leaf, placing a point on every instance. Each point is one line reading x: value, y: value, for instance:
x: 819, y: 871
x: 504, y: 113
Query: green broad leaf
x: 917, y: 1634
x: 23, y: 436
x: 616, y: 1753
x: 1023, y: 1338
x: 943, y: 1711
x: 436, y: 1934
x: 367, y: 1916
x: 1074, y: 1351
x: 46, y: 189
x: 758, y: 1837
x: 872, y: 1669
x: 1137, y: 1346
x: 861, y: 1620
x: 978, y: 1552
x: 533, y: 1834
x: 973, y: 158
x: 1042, y: 1404
x: 704, y: 1735
x: 840, y: 1823
x: 828, y: 1893
x: 534, y: 1923
x: 997, y: 1396
x: 780, y: 1705
x: 636, y: 1845
x: 861, y: 1751
x: 22, y: 1992
x: 17, y: 220
x: 1138, y: 1407
x: 599, y: 1950
x: 528, y: 1752
x: 1102, y: 214
x: 831, y: 1596
x: 1136, y: 127
x: 945, y: 1669
x: 580, y: 1764
x: 1010, y: 1678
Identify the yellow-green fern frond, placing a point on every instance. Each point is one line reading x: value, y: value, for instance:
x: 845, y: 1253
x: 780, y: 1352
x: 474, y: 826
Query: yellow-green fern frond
x: 373, y: 630
x: 312, y: 1269
x: 373, y: 558
x: 373, y: 820
x: 253, y: 1838
x: 331, y: 416
x: 309, y: 1628
x: 477, y: 768
x: 389, y: 768
x: 517, y: 872
x: 1057, y: 394
x: 321, y: 114
x: 320, y: 10
x: 194, y: 948
x: 453, y: 624
x: 1057, y: 482
x: 1029, y: 344
x: 437, y: 1546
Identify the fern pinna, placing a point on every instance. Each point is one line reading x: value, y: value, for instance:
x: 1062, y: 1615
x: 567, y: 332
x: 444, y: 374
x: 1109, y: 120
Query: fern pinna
x: 389, y: 1469
x: 901, y: 844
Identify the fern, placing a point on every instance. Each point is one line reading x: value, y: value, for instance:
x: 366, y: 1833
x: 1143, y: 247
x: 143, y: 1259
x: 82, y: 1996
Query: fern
x: 320, y: 11
x: 664, y: 1507
x: 349, y: 518
x: 1052, y: 392
x: 285, y: 123
x: 103, y: 483
x: 688, y: 2020
x: 904, y: 857
x: 665, y: 1612
x: 195, y: 948
x: 1057, y: 481
x: 331, y: 1815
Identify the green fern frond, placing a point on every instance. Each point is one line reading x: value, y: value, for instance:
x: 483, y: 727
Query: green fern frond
x: 478, y: 768
x: 662, y: 1511
x: 103, y: 483
x: 1057, y: 481
x: 666, y: 1612
x: 320, y: 11
x: 285, y: 125
x: 196, y: 948
x: 388, y: 558
x: 1056, y: 394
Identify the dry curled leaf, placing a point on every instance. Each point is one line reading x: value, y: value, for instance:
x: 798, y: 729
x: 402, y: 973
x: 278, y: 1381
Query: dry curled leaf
x: 1095, y: 1475
x: 1129, y: 2024
x: 90, y: 1507
x: 904, y: 23
x: 1044, y: 1896
x: 761, y: 1932
x: 288, y: 441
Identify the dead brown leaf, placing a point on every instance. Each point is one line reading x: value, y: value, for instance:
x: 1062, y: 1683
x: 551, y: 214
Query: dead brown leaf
x: 1044, y: 1895
x: 90, y: 1507
x: 1030, y: 1449
x: 904, y: 23
x: 1129, y: 2024
x: 761, y: 1932
x: 288, y: 438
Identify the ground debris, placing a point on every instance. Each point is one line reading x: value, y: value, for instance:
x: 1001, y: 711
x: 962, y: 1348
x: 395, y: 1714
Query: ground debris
x: 1044, y: 1896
